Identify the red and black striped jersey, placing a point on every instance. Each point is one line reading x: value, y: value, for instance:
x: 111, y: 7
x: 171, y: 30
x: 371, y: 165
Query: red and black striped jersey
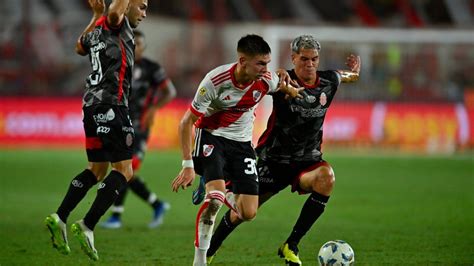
x: 295, y: 127
x: 111, y: 53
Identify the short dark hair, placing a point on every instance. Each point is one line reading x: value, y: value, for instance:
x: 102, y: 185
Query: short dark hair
x: 252, y: 45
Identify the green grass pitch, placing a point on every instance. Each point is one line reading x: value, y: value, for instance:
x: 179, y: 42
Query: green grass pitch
x: 393, y: 210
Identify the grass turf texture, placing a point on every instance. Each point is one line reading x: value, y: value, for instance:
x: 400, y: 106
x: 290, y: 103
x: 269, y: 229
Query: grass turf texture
x: 391, y: 209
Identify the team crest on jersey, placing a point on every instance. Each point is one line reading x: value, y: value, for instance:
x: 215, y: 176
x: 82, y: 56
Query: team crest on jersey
x: 137, y: 72
x: 202, y: 91
x: 207, y: 149
x: 310, y: 99
x: 256, y: 95
x: 94, y: 39
x: 323, y: 99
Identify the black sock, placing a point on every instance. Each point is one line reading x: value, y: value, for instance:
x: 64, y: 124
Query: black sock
x: 119, y: 202
x: 223, y: 230
x: 106, y: 195
x: 312, y: 209
x: 138, y: 187
x: 76, y: 192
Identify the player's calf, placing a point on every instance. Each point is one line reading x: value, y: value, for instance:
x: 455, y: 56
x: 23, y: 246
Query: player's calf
x: 205, y: 223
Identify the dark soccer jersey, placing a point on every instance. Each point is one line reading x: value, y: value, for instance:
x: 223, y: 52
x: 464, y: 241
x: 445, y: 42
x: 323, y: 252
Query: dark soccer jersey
x: 295, y: 128
x: 111, y: 52
x: 147, y: 79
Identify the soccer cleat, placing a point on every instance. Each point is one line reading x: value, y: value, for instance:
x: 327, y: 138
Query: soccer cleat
x: 86, y: 239
x: 113, y: 222
x: 200, y: 192
x: 58, y: 231
x: 158, y: 215
x: 289, y: 251
x: 210, y: 258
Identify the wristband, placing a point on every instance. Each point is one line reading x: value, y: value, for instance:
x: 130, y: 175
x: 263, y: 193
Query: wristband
x: 187, y: 164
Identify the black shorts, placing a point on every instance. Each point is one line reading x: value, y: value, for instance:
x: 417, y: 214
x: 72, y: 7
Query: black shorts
x: 109, y: 133
x: 274, y: 177
x: 220, y: 158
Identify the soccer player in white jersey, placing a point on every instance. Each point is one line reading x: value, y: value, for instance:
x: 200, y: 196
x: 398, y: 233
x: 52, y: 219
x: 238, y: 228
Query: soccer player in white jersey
x: 223, y: 113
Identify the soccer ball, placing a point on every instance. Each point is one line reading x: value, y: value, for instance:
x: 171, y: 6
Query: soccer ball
x: 336, y: 252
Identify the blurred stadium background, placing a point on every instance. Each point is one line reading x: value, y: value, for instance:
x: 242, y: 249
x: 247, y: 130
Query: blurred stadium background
x: 416, y: 91
x: 401, y: 139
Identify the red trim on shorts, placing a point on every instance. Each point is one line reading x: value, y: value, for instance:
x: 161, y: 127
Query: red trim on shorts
x: 123, y: 66
x: 93, y: 143
x: 136, y: 163
x: 295, y: 186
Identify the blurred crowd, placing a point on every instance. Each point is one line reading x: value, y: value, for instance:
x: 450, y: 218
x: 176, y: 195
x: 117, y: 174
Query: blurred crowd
x: 37, y: 40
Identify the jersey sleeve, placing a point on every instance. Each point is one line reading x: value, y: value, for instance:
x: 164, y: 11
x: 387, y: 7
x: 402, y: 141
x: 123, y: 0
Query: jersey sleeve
x: 272, y: 79
x: 85, y: 41
x: 203, y: 97
x: 337, y: 78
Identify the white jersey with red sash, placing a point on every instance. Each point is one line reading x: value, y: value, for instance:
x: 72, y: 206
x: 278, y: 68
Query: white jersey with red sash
x: 226, y: 109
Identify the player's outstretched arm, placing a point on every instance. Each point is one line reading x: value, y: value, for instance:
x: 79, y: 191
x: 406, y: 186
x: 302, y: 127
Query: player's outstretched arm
x: 98, y: 8
x: 186, y: 176
x: 351, y: 75
x: 117, y: 11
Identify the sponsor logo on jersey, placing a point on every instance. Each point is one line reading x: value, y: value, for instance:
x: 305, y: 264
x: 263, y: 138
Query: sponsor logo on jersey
x: 128, y: 129
x: 207, y: 150
x: 202, y: 91
x: 323, y: 99
x: 101, y: 186
x: 256, y: 95
x: 98, y: 47
x: 226, y: 98
x: 103, y: 118
x: 308, y: 112
x: 103, y: 130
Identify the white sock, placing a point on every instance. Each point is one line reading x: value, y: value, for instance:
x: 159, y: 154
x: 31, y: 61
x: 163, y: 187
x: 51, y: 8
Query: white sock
x: 199, y: 257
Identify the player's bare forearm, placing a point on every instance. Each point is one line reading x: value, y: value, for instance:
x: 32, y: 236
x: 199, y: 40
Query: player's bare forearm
x: 185, y: 134
x: 98, y: 9
x: 351, y: 75
x: 117, y: 12
x: 348, y: 76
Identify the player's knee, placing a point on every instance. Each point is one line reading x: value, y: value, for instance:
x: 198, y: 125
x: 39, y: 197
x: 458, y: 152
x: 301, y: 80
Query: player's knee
x: 324, y: 183
x: 248, y: 214
x: 216, y: 200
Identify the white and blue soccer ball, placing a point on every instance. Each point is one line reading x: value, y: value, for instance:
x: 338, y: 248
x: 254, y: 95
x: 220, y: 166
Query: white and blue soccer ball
x: 336, y: 252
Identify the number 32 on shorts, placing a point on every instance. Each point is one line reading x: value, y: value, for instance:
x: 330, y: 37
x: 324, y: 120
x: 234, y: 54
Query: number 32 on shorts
x: 251, y: 166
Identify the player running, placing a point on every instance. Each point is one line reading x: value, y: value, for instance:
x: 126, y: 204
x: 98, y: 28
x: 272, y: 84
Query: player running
x: 109, y: 42
x: 290, y: 148
x: 151, y: 90
x: 223, y: 113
